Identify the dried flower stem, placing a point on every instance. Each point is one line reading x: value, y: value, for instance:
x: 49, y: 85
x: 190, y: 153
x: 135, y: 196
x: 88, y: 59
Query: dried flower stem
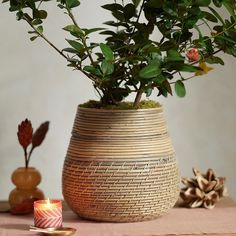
x: 26, y: 161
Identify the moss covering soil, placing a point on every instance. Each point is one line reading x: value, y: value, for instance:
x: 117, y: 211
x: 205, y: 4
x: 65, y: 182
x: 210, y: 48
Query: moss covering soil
x: 122, y: 105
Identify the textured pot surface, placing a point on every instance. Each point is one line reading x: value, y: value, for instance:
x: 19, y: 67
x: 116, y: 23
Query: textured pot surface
x: 120, y: 165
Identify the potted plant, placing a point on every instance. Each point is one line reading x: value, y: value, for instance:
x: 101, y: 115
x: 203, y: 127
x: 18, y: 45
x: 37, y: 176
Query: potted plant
x: 27, y: 178
x: 120, y: 164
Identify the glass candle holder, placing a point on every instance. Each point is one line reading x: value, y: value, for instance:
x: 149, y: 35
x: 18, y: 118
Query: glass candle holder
x: 48, y: 214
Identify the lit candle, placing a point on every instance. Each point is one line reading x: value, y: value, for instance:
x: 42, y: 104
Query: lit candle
x: 48, y: 214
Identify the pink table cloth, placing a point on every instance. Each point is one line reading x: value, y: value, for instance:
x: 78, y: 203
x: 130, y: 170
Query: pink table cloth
x: 178, y: 221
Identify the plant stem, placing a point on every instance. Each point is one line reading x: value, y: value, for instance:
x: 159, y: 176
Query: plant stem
x: 58, y: 50
x: 39, y: 4
x: 42, y: 36
x: 138, y: 96
x: 183, y: 79
x: 83, y: 39
x: 222, y: 32
x: 140, y: 11
x: 205, y: 22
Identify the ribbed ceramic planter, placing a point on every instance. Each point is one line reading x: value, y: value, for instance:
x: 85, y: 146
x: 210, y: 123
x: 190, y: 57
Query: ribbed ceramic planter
x: 120, y: 165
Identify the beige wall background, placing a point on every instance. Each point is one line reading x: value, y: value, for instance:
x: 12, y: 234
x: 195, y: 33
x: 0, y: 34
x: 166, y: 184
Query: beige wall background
x: 35, y: 83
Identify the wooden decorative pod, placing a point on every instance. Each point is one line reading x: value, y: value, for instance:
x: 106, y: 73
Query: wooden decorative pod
x: 120, y: 165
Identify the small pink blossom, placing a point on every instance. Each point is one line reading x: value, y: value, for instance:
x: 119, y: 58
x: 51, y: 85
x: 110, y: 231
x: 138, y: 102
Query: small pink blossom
x: 193, y: 55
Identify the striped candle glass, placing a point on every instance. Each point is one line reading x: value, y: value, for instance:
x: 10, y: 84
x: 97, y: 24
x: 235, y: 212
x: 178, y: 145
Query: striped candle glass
x: 48, y: 214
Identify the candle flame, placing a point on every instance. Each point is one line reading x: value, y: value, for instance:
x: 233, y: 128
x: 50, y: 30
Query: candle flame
x: 48, y: 203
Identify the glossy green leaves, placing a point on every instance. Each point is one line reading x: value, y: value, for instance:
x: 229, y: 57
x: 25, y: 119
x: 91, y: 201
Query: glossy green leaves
x: 180, y: 88
x: 150, y: 71
x: 132, y: 58
x: 107, y: 52
x: 72, y: 3
x: 107, y: 66
x: 74, y: 30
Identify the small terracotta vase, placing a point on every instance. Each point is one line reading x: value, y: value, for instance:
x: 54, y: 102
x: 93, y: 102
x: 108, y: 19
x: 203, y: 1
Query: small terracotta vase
x: 21, y: 198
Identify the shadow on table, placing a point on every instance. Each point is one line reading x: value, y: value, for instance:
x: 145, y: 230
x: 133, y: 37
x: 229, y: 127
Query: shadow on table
x: 15, y: 226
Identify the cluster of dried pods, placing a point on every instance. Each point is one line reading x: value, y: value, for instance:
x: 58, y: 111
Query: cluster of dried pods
x: 204, y: 190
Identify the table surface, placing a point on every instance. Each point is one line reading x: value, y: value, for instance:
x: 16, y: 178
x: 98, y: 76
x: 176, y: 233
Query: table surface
x: 19, y: 225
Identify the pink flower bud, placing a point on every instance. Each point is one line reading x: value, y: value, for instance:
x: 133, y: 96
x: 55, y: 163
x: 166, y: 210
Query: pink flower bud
x: 193, y: 54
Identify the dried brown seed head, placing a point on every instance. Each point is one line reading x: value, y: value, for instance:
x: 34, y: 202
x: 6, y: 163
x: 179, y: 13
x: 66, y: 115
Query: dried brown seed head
x: 25, y: 132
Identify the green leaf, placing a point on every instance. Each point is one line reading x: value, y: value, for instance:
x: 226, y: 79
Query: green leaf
x: 108, y: 32
x: 19, y: 15
x: 167, y: 46
x: 230, y: 6
x: 116, y: 9
x: 13, y: 8
x: 188, y: 68
x: 180, y: 88
x: 76, y: 45
x: 148, y: 92
x: 216, y: 14
x: 92, y: 70
x: 129, y: 11
x: 160, y: 79
x: 40, y: 29
x: 167, y: 87
x: 224, y: 38
x: 70, y: 50
x: 173, y: 55
x: 170, y: 8
x: 73, y: 61
x: 43, y: 14
x: 190, y: 22
x: 210, y: 17
x: 72, y: 3
x: 92, y: 30
x: 136, y: 2
x: 113, y: 7
x: 89, y: 69
x: 29, y: 3
x: 203, y: 3
x: 107, y: 52
x: 37, y: 22
x: 33, y: 38
x: 150, y: 71
x: 217, y: 3
x: 163, y: 92
x: 119, y: 15
x: 155, y: 3
x: 107, y: 67
x: 61, y: 6
x: 208, y: 44
x: 73, y: 29
x: 232, y: 51
x: 39, y: 14
x: 214, y: 60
